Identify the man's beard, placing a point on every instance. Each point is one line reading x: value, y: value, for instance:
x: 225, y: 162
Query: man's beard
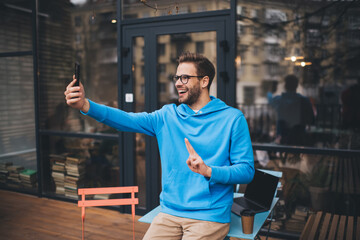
x: 193, y: 95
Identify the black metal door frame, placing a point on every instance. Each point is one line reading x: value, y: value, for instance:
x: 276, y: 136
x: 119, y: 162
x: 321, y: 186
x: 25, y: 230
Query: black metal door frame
x: 218, y: 21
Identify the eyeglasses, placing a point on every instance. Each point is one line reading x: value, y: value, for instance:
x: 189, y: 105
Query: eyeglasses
x: 184, y: 78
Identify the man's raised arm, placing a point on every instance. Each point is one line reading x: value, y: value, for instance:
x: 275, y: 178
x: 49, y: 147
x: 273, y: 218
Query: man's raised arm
x: 146, y: 123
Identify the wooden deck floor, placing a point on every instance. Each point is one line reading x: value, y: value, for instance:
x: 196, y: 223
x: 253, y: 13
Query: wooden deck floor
x: 24, y: 216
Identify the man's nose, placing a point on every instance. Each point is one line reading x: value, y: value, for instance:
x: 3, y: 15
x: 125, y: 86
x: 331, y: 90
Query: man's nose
x: 178, y: 83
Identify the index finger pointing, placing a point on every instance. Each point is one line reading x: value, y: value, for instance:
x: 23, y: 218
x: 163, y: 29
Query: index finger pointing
x: 190, y: 149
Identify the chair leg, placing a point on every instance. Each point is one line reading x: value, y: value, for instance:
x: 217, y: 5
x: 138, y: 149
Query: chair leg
x: 133, y: 219
x: 83, y: 222
x: 269, y: 227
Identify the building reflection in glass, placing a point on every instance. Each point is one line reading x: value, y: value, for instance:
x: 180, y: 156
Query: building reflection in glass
x: 317, y: 45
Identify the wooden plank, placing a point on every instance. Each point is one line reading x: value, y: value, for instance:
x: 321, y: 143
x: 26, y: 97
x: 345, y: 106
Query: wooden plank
x: 309, y: 223
x: 341, y: 228
x: 350, y: 228
x: 107, y: 190
x: 315, y: 226
x: 333, y: 227
x: 325, y: 226
x: 108, y: 202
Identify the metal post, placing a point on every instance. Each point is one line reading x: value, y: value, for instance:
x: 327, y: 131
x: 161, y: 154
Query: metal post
x: 35, y: 22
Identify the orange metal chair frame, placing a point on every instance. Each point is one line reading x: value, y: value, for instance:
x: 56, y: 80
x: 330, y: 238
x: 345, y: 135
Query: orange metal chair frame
x: 108, y: 202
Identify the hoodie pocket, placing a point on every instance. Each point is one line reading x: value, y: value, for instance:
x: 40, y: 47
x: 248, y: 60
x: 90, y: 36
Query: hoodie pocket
x: 186, y: 190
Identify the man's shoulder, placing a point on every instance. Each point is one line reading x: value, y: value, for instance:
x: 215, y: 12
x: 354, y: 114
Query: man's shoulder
x: 233, y: 112
x: 170, y: 107
x: 167, y: 108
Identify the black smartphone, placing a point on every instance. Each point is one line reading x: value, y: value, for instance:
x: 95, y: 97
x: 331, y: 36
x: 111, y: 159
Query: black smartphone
x: 77, y: 74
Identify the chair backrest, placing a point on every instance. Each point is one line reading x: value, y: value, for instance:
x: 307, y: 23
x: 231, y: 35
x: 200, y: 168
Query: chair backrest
x: 108, y: 202
x: 322, y: 225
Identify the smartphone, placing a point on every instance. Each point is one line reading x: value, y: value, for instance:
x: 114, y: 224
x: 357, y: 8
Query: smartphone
x: 77, y: 73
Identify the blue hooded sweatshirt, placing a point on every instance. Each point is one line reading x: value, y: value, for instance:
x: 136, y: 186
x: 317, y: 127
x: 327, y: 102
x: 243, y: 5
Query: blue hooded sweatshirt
x: 218, y: 133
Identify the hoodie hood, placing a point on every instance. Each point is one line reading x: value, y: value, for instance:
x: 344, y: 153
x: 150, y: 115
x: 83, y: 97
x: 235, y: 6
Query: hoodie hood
x: 213, y: 106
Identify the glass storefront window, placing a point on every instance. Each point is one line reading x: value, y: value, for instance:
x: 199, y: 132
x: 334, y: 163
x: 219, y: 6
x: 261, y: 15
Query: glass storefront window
x: 72, y: 163
x: 15, y: 15
x: 297, y: 77
x: 86, y: 34
x: 133, y: 9
x: 17, y: 123
x: 297, y: 84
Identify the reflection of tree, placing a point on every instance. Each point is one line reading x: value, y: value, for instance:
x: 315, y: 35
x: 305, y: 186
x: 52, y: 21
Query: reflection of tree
x: 327, y: 29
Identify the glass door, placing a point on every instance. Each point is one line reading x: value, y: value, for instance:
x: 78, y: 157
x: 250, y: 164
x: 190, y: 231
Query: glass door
x: 149, y: 57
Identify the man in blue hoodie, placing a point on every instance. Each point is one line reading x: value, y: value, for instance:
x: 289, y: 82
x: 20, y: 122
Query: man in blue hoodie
x: 204, y: 146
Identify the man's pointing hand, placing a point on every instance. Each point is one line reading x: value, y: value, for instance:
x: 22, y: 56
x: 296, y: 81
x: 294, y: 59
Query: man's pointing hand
x: 195, y: 162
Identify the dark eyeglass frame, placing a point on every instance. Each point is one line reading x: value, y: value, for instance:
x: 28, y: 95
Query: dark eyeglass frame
x: 184, y: 78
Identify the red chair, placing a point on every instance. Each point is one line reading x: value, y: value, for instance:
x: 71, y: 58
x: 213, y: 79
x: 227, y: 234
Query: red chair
x: 107, y: 202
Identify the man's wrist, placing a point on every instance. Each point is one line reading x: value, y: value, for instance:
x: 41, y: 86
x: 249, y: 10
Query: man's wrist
x: 208, y: 172
x: 85, y: 108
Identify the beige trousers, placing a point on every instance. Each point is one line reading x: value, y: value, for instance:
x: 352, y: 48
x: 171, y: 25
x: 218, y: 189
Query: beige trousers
x: 168, y: 227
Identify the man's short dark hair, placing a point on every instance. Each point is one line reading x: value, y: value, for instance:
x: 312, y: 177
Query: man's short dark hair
x: 291, y: 83
x: 203, y: 66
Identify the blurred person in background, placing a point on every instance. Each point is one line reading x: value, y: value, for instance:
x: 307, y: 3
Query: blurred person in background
x: 294, y: 112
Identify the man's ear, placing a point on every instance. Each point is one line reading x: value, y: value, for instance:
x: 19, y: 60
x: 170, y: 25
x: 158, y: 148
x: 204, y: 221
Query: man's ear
x: 205, y: 82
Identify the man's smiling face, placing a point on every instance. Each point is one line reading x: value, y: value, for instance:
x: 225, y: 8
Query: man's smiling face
x: 188, y: 93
